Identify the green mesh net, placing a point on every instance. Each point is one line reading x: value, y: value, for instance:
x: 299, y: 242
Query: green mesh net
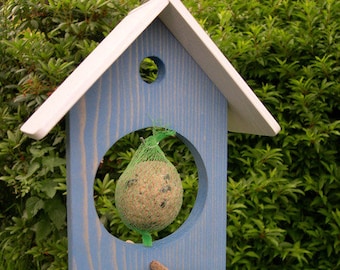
x: 149, y: 193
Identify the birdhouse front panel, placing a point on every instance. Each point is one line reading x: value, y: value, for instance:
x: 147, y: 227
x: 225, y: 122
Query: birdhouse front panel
x: 183, y: 98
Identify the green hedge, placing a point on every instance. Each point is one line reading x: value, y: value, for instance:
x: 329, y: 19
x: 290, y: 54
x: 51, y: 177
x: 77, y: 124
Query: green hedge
x: 283, y: 192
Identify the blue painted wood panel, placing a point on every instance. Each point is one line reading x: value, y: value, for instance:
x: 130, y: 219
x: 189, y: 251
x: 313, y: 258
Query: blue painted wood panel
x: 121, y: 102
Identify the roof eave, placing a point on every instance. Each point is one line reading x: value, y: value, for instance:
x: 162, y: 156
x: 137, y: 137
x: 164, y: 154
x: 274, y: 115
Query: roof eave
x: 89, y: 71
x: 246, y: 114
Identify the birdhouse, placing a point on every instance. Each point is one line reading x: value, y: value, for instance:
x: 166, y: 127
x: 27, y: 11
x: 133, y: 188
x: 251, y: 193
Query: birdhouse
x: 196, y: 92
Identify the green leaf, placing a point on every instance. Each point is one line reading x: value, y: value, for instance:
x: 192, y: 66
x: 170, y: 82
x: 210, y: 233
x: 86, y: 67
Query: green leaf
x: 49, y: 187
x: 56, y: 211
x: 42, y: 229
x: 33, y: 205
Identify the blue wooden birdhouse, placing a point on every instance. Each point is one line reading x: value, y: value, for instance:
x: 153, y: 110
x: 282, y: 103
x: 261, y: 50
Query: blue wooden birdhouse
x: 196, y: 92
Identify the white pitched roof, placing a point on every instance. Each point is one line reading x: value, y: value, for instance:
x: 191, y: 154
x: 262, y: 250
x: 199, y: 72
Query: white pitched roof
x: 246, y: 114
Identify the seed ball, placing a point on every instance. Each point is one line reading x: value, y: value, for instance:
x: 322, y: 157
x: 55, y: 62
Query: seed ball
x: 149, y: 196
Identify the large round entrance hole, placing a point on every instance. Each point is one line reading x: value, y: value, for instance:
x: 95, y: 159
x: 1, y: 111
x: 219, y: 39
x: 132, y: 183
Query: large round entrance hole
x: 113, y: 165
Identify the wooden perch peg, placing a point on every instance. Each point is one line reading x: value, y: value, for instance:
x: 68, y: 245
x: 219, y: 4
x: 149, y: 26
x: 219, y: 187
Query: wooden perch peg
x: 156, y: 265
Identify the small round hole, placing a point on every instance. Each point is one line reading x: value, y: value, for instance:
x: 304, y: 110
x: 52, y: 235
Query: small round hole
x: 150, y: 69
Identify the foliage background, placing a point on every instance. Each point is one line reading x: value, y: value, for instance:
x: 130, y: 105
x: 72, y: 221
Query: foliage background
x: 283, y: 192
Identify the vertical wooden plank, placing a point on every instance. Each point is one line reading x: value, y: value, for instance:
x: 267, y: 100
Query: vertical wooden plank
x: 119, y: 103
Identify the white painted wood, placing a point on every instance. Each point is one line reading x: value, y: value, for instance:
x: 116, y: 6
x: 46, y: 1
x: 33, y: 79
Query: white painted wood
x: 88, y: 72
x: 246, y: 113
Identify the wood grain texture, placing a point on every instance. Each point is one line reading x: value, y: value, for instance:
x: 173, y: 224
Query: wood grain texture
x: 120, y: 102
